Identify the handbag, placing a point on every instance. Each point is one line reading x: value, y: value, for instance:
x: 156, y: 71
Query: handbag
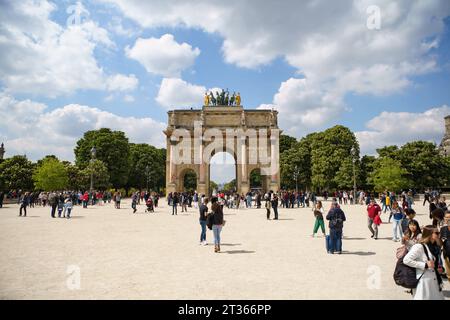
x: 377, y: 220
x: 210, y: 220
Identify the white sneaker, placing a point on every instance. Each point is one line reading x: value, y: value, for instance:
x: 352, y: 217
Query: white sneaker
x: 205, y: 243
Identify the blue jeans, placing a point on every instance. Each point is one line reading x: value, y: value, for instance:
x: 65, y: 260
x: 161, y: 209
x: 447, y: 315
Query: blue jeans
x: 203, y: 234
x: 336, y: 240
x: 216, y: 230
x: 174, y: 209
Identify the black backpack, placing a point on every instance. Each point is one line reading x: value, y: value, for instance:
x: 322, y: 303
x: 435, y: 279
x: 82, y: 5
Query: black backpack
x: 405, y: 276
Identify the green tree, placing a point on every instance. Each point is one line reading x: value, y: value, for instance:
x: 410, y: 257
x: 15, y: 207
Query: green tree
x: 100, y: 174
x: 329, y: 150
x: 213, y: 186
x: 286, y: 142
x: 389, y: 174
x: 230, y: 186
x: 344, y: 178
x: 255, y: 178
x: 366, y: 168
x: 426, y: 167
x: 298, y: 156
x: 74, y: 175
x: 112, y: 148
x: 50, y: 175
x: 17, y: 173
x: 47, y: 157
x: 190, y: 181
x: 143, y: 157
x: 388, y: 151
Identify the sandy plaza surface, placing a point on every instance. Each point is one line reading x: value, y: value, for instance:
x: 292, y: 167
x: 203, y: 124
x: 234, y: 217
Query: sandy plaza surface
x: 106, y: 253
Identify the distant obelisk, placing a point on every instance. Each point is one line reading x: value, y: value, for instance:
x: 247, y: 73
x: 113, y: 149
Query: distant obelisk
x: 2, y: 151
x: 444, y: 148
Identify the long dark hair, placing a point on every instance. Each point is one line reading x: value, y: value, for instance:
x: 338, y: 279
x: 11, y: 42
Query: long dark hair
x: 408, y: 232
x: 428, y: 233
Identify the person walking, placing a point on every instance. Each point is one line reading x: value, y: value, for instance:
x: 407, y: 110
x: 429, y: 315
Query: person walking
x: 203, y: 213
x: 184, y: 202
x: 421, y: 258
x: 275, y: 206
x: 373, y: 210
x: 24, y: 202
x: 60, y: 200
x: 217, y: 222
x: 336, y: 217
x: 134, y: 201
x: 268, y: 204
x: 195, y: 200
x: 68, y: 205
x: 398, y: 216
x: 445, y: 238
x: 426, y: 197
x: 318, y: 213
x: 410, y: 215
x: 2, y: 196
x: 174, y: 203
x: 53, y: 202
x: 118, y: 199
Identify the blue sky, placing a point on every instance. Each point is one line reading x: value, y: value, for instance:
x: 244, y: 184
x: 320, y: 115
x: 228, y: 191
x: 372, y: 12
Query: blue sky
x: 317, y: 62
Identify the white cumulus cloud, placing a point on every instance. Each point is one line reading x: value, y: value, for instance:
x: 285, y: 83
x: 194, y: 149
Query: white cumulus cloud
x: 41, y: 57
x: 398, y: 128
x: 163, y: 56
x: 177, y: 93
x: 28, y: 128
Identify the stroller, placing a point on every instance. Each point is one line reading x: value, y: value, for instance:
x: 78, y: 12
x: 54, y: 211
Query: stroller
x: 149, y: 205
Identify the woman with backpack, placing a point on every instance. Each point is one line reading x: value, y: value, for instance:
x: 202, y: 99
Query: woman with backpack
x: 422, y: 257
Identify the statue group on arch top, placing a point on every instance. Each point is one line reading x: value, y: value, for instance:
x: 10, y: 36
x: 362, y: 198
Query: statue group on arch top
x: 222, y: 99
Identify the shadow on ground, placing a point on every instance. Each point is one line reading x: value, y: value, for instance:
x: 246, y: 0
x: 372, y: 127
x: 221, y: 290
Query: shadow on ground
x: 360, y: 253
x: 238, y: 251
x: 354, y: 238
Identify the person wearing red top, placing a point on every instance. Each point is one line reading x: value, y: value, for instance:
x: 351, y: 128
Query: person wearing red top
x: 85, y: 199
x: 373, y: 210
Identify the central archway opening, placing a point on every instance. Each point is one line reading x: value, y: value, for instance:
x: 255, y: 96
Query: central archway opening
x: 189, y: 182
x: 222, y: 173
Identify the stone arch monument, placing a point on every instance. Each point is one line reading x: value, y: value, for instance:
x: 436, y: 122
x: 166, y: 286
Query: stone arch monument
x: 250, y: 136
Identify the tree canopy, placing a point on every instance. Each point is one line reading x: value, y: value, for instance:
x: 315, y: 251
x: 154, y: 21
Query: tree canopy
x: 147, y: 162
x: 17, y: 173
x: 50, y: 174
x: 388, y: 174
x: 112, y: 148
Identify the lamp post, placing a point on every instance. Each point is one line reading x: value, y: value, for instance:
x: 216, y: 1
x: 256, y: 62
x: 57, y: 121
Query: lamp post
x: 296, y: 178
x: 354, y: 174
x: 93, y: 154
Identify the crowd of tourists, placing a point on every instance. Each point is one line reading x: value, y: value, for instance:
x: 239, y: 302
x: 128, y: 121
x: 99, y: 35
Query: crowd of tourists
x: 63, y: 202
x: 424, y: 252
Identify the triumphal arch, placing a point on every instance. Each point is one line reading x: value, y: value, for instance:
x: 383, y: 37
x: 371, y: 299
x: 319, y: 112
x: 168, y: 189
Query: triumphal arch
x: 222, y: 125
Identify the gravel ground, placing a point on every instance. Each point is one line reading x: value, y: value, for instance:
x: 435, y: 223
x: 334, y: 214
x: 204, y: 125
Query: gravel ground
x: 105, y: 253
